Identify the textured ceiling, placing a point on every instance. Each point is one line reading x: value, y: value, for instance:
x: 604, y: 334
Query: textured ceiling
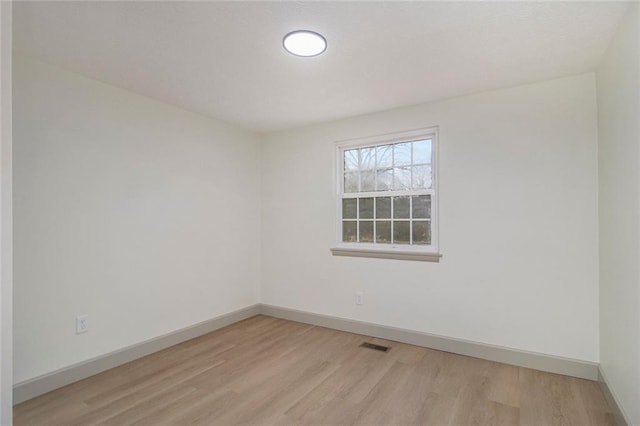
x: 225, y: 59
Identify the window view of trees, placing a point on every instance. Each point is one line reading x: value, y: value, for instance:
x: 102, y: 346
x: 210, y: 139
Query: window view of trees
x: 402, y: 166
x: 387, y: 193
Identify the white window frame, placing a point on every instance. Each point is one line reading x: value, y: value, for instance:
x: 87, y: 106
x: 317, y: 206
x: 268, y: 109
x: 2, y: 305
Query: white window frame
x: 428, y: 253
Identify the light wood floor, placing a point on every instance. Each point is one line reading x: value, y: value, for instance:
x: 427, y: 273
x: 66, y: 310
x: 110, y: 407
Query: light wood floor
x: 270, y: 371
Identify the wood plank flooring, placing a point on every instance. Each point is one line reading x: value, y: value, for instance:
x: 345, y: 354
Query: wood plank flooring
x: 269, y: 371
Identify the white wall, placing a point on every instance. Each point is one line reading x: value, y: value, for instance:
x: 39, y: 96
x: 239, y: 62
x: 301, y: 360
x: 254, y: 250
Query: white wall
x: 6, y: 242
x: 141, y: 215
x: 618, y: 80
x: 518, y: 210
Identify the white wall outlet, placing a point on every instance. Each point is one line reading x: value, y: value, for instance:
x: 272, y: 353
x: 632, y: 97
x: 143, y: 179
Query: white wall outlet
x: 359, y: 298
x: 82, y: 324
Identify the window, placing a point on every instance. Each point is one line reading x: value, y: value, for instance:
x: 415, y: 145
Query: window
x: 387, y: 196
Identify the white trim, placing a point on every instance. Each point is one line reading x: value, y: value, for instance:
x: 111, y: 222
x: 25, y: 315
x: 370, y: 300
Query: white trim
x: 410, y: 253
x: 47, y: 382
x: 618, y: 413
x: 389, y: 251
x: 73, y: 373
x: 382, y: 194
x: 550, y: 363
x: 6, y: 216
x: 387, y: 138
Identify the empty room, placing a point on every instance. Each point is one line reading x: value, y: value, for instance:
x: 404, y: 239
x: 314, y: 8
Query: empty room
x: 320, y: 213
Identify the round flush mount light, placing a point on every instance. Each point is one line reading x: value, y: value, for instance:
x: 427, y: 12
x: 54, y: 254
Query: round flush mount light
x: 304, y: 43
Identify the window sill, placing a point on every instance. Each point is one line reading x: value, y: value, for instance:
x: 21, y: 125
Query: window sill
x: 387, y: 254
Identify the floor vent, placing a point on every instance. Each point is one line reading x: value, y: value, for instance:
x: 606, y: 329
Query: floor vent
x: 375, y: 347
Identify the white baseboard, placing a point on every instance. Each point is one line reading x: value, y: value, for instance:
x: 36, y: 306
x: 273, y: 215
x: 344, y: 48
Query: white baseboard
x: 620, y: 418
x: 42, y: 384
x: 537, y: 361
x: 56, y: 379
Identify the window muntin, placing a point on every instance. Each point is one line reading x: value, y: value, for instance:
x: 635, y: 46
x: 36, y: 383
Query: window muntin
x: 390, y: 167
x: 387, y: 193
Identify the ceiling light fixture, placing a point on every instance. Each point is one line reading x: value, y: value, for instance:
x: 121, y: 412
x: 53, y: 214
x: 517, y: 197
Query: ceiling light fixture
x: 304, y: 43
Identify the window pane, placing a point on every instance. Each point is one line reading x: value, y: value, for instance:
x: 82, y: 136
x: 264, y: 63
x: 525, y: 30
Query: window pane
x: 366, y: 232
x: 384, y: 156
x: 401, y: 232
x: 421, y: 232
x: 349, y: 231
x: 384, y: 179
x: 393, y: 189
x: 351, y: 182
x: 351, y: 160
x: 349, y: 208
x: 402, y: 154
x: 383, y: 208
x: 367, y: 158
x: 367, y: 180
x: 366, y: 208
x: 421, y: 206
x: 401, y: 208
x: 402, y: 178
x: 422, y: 152
x: 422, y: 177
x: 383, y: 232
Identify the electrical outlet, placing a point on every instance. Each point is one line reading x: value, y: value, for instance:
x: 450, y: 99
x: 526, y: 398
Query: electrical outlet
x: 359, y: 298
x: 82, y: 324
